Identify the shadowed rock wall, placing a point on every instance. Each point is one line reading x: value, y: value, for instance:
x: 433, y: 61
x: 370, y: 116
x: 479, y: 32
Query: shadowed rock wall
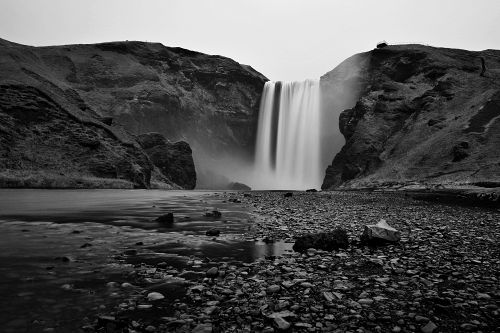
x: 424, y: 115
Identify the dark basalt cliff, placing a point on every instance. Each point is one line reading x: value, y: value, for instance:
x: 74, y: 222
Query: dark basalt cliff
x: 418, y: 115
x: 44, y: 145
x: 174, y: 160
x: 111, y: 89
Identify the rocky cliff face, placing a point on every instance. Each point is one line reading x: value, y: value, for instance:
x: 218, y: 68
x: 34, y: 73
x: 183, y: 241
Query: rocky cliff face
x: 43, y: 145
x: 174, y: 160
x: 211, y: 102
x: 51, y: 137
x: 419, y: 115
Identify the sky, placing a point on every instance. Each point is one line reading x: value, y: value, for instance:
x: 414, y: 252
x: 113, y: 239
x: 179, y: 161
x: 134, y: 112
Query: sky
x: 282, y: 39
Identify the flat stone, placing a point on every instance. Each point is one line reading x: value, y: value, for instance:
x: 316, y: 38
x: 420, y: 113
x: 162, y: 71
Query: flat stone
x: 274, y: 288
x: 281, y: 324
x: 203, y: 328
x: 429, y: 327
x: 154, y: 296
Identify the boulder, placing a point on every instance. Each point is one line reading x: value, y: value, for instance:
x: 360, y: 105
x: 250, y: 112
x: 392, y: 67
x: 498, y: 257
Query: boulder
x: 288, y: 195
x: 327, y: 241
x: 380, y: 233
x: 214, y: 213
x: 174, y: 160
x: 213, y: 232
x: 155, y: 296
x: 212, y: 272
x: 166, y: 218
x: 235, y: 186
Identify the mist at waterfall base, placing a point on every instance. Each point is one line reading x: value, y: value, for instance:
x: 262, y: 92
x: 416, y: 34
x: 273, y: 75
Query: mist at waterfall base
x: 288, y: 146
x: 297, y: 137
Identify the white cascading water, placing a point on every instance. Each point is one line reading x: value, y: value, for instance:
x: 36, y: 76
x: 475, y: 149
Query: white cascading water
x: 288, y: 137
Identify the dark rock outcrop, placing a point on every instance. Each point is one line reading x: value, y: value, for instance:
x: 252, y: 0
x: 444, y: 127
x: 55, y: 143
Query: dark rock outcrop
x: 421, y: 115
x: 166, y: 219
x: 174, y: 160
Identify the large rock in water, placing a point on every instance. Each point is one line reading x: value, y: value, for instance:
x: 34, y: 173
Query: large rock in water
x: 209, y: 101
x: 174, y: 160
x: 415, y: 115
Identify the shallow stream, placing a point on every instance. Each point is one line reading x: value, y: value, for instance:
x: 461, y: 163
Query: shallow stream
x: 64, y: 254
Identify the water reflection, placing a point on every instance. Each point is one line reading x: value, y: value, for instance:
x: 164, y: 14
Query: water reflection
x: 60, y: 249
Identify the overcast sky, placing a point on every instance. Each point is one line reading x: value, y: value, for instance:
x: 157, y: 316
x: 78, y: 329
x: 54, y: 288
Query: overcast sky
x: 283, y: 39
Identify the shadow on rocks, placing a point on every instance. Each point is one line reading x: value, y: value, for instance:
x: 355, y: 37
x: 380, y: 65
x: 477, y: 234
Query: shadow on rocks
x: 327, y: 241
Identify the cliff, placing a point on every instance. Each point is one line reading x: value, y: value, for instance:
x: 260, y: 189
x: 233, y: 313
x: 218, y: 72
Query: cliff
x: 62, y: 109
x: 418, y: 115
x: 210, y: 102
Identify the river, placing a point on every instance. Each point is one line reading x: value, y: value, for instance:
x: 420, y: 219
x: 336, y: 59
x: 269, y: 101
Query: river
x: 66, y: 254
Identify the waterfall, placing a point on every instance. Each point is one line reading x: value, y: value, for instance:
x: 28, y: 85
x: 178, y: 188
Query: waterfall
x: 287, y: 152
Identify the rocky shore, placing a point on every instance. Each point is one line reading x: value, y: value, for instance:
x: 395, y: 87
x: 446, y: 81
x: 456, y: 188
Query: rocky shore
x: 442, y: 276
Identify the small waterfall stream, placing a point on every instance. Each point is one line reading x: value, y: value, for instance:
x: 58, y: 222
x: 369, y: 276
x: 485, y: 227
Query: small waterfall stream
x: 288, y: 137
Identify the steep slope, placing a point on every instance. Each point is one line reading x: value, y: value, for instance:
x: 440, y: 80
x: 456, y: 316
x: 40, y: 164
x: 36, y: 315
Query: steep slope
x: 423, y: 115
x: 50, y: 137
x: 211, y: 102
x: 43, y: 145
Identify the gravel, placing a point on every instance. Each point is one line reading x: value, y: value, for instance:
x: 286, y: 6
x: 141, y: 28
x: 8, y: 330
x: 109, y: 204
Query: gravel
x: 442, y: 276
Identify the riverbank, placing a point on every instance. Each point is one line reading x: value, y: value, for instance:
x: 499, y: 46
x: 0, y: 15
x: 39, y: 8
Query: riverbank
x: 442, y: 277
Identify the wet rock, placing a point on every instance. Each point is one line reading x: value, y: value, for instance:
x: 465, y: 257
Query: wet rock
x: 430, y: 327
x: 214, y: 214
x: 380, y: 233
x: 281, y: 324
x: 327, y: 241
x: 328, y: 296
x: 313, y: 190
x: 155, y: 296
x: 468, y: 327
x: 203, y: 328
x: 166, y: 218
x: 365, y: 301
x: 212, y: 272
x: 85, y: 245
x: 483, y: 296
x: 213, y: 232
x: 130, y: 252
x: 288, y: 195
x: 274, y: 288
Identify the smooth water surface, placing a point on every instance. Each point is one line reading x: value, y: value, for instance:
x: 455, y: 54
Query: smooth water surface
x: 61, y: 250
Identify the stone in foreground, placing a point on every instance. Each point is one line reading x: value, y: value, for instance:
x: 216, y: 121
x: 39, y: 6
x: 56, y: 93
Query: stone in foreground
x: 213, y: 232
x: 380, y: 233
x: 166, y: 218
x: 327, y: 241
